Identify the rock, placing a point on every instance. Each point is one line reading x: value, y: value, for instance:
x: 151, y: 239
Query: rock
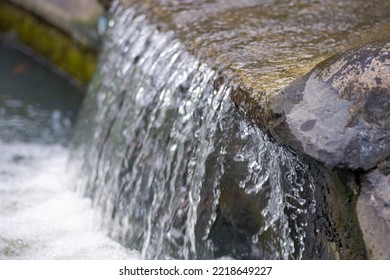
x: 77, y: 18
x: 339, y: 113
x: 373, y: 210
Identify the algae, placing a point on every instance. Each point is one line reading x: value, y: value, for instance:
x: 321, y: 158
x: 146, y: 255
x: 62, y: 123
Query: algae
x: 76, y: 59
x: 12, y: 247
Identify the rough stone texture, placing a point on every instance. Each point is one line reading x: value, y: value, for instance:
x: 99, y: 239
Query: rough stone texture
x: 373, y: 209
x: 265, y: 45
x: 339, y: 113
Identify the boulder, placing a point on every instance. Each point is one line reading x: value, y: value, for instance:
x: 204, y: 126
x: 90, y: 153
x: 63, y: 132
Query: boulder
x: 339, y: 113
x: 373, y: 210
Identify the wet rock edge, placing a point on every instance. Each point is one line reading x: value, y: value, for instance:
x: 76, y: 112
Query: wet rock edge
x: 354, y: 86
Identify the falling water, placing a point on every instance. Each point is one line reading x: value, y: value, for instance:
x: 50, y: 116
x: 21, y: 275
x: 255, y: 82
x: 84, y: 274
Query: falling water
x: 40, y: 217
x: 173, y: 166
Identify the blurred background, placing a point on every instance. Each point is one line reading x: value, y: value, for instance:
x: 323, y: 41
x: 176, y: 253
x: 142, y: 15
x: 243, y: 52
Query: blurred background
x: 63, y: 31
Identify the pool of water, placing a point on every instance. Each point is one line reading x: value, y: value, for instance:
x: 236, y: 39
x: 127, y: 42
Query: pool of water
x: 41, y: 217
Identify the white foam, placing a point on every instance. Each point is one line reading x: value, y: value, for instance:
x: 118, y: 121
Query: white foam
x: 40, y: 217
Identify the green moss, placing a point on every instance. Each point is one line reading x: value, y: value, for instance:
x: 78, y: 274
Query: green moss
x: 79, y: 61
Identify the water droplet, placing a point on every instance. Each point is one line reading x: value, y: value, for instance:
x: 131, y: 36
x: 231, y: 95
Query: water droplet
x: 293, y: 216
x: 101, y: 25
x: 252, y: 164
x: 301, y: 201
x: 173, y: 148
x: 238, y: 158
x: 312, y: 207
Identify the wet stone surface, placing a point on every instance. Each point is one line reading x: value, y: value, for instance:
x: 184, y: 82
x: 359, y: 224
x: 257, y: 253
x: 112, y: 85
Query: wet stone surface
x: 339, y: 114
x: 265, y: 45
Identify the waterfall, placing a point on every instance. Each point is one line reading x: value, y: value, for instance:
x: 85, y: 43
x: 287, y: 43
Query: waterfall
x: 174, y: 167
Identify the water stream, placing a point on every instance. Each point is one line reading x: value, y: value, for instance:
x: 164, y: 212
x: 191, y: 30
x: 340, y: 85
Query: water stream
x: 175, y: 169
x: 161, y: 161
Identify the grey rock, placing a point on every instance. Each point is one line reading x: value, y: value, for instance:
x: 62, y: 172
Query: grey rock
x: 373, y: 210
x: 339, y: 113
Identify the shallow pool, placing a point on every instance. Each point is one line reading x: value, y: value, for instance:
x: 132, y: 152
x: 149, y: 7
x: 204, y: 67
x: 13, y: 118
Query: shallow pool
x: 41, y: 217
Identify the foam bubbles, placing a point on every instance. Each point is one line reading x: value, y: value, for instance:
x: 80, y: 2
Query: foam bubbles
x: 40, y: 217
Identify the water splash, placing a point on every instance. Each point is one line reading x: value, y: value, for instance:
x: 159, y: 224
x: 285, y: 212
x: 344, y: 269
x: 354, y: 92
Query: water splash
x: 40, y: 218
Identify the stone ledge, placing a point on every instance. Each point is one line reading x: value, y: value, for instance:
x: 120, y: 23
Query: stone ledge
x: 264, y: 46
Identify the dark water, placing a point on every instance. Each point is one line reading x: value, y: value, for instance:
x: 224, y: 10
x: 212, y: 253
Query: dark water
x: 40, y: 217
x: 35, y: 104
x: 173, y: 166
